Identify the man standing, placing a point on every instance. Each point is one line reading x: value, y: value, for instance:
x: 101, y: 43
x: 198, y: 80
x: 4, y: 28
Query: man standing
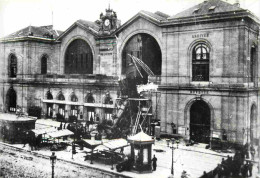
x: 154, y: 160
x: 174, y: 130
x: 252, y: 151
x: 250, y: 168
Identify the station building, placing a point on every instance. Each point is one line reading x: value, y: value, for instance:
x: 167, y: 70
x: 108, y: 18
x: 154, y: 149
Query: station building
x: 204, y: 60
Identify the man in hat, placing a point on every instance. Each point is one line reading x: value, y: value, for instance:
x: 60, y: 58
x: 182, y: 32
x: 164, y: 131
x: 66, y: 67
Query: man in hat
x: 154, y: 160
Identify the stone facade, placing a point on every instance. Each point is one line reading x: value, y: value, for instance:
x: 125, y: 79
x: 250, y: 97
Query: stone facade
x: 228, y: 96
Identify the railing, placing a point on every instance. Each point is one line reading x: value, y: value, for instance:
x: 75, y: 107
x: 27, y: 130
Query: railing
x: 66, y: 78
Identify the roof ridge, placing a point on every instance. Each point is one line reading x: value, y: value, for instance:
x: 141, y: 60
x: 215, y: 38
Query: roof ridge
x: 204, y: 8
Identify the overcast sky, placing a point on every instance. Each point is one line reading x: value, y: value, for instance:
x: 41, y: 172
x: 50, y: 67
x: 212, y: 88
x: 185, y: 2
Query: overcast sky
x: 18, y: 14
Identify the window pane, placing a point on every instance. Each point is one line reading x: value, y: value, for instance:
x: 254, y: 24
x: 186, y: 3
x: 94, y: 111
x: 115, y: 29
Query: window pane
x: 80, y: 55
x: 200, y: 63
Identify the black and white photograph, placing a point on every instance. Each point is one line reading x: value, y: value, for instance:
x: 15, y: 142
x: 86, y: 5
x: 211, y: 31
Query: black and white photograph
x: 129, y: 88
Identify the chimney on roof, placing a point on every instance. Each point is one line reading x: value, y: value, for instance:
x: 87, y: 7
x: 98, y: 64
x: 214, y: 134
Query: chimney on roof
x: 30, y: 33
x: 237, y: 4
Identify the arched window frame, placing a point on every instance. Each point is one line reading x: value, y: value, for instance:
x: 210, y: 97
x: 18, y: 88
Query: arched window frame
x: 108, y: 99
x: 44, y: 64
x: 49, y: 95
x: 200, y: 62
x: 12, y: 67
x: 74, y: 98
x: 89, y: 98
x: 60, y: 97
x: 78, y: 58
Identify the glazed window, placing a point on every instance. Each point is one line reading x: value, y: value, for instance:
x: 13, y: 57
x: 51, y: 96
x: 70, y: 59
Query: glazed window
x: 13, y: 66
x: 44, y: 65
x: 61, y: 97
x: 252, y: 64
x: 90, y: 98
x: 78, y: 58
x: 200, y: 63
x: 74, y: 98
x: 49, y: 95
x: 108, y: 99
x: 108, y: 113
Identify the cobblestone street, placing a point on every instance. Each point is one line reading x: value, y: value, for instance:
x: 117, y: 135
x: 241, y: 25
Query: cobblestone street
x: 15, y: 164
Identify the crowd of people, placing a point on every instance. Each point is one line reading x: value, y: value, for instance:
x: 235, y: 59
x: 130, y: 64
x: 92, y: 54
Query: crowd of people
x: 237, y: 166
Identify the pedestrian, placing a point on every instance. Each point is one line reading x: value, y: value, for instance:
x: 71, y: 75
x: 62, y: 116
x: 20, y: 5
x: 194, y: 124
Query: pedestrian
x: 244, y: 170
x: 184, y: 174
x: 205, y: 175
x: 252, y: 151
x: 154, y: 160
x: 60, y: 128
x: 174, y: 130
x: 122, y: 150
x: 250, y: 168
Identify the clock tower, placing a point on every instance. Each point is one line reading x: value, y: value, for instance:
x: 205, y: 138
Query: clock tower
x: 108, y: 22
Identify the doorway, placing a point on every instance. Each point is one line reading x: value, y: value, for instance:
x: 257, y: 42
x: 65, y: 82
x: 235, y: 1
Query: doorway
x: 200, y: 122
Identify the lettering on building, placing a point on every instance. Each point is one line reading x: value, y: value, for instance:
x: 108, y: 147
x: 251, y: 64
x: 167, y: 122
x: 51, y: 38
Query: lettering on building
x: 200, y: 35
x: 105, y: 49
x: 199, y: 92
x: 106, y: 54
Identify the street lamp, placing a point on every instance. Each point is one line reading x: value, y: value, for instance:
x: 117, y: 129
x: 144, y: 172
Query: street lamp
x: 177, y: 141
x: 53, y: 161
x: 112, y: 161
x: 172, y: 169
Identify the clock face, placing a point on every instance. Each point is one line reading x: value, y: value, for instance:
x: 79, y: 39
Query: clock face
x: 107, y: 22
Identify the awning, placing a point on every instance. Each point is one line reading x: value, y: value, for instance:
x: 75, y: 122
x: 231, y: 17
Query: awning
x: 44, y: 130
x: 92, y: 143
x: 141, y: 138
x: 101, y: 148
x: 60, y: 133
x: 113, y: 145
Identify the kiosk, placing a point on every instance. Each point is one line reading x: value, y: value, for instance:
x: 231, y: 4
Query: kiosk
x: 141, y: 152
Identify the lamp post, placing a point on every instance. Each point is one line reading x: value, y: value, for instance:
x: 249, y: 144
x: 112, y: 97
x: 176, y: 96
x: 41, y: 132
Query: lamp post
x: 112, y: 161
x: 172, y: 147
x: 53, y: 161
x: 172, y: 169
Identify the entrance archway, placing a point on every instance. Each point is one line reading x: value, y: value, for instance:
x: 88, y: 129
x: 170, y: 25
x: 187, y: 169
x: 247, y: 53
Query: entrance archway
x: 200, y: 122
x: 11, y: 100
x: 144, y: 47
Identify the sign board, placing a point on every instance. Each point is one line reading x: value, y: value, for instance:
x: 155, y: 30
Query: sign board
x: 182, y: 130
x: 216, y: 134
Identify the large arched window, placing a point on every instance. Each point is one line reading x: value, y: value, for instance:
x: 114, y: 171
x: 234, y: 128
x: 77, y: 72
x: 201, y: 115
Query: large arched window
x: 144, y: 47
x: 44, y: 65
x: 78, y: 58
x: 12, y: 66
x: 200, y: 63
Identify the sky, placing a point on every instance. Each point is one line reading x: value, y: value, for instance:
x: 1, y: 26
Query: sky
x: 18, y: 14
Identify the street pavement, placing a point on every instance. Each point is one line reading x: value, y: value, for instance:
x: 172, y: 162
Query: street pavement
x: 193, y: 159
